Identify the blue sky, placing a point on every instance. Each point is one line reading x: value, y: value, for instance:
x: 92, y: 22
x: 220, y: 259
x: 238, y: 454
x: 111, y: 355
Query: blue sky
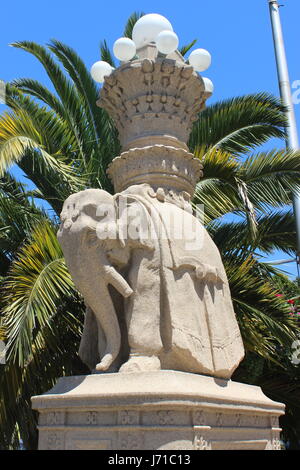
x: 236, y: 32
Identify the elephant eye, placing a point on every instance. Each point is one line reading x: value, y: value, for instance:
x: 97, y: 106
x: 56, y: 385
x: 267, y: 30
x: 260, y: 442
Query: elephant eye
x: 90, y: 210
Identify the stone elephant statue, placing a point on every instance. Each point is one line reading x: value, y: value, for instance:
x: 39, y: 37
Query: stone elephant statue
x: 174, y: 297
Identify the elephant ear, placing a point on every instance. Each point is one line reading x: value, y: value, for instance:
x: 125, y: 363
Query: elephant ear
x: 134, y: 224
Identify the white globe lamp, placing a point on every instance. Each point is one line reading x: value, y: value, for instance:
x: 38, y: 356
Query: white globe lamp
x: 124, y: 49
x: 200, y: 59
x: 167, y: 42
x: 208, y: 85
x: 148, y: 27
x: 100, y: 70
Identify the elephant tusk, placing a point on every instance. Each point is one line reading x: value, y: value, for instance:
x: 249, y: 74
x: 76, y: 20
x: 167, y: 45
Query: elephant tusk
x: 117, y: 281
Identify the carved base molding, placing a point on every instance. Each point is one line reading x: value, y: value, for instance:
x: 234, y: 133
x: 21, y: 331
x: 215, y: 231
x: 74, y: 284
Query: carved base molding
x: 165, y: 410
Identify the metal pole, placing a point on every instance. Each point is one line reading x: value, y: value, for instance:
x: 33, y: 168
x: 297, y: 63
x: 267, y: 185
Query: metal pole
x: 279, y: 262
x: 292, y: 141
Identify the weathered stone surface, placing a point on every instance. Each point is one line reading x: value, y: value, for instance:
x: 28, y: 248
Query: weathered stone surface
x: 163, y: 410
x: 153, y: 98
x: 159, y: 165
x: 147, y: 244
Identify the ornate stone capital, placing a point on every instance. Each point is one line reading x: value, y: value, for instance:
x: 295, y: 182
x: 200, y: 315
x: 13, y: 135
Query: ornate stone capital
x: 152, y: 98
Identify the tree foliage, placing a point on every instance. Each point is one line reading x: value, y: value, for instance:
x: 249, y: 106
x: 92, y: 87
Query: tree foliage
x: 63, y: 143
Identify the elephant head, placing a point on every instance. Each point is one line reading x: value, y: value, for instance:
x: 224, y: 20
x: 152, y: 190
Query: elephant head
x: 89, y: 238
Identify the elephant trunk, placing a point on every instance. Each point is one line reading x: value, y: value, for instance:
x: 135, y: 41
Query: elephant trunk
x: 92, y: 273
x: 85, y: 253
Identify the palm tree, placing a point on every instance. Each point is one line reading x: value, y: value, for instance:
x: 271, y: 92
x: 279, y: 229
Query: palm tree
x: 63, y: 143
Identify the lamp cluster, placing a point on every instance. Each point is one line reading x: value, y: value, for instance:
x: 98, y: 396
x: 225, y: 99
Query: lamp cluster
x: 152, y: 28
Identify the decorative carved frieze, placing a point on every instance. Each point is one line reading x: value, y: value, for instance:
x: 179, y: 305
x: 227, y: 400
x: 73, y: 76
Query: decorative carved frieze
x: 128, y: 417
x: 201, y: 443
x: 131, y: 441
x: 55, y: 418
x: 158, y: 165
x: 55, y: 440
x: 199, y: 418
x: 276, y: 444
x: 274, y: 421
x: 239, y: 420
x: 92, y: 418
x: 219, y: 419
x: 165, y: 418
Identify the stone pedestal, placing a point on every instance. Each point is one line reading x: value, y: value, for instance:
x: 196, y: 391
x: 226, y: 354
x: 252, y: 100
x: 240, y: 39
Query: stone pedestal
x: 164, y: 410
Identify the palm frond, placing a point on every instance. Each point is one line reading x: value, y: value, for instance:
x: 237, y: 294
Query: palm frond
x: 37, y: 281
x: 105, y: 53
x: 102, y: 145
x: 185, y: 49
x: 64, y: 88
x: 130, y: 24
x: 38, y: 90
x: 263, y: 182
x: 18, y: 216
x: 54, y: 354
x: 275, y: 231
x: 33, y: 138
x: 264, y: 319
x: 239, y: 124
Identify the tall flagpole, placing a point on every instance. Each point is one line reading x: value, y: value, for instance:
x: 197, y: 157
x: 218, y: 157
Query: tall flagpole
x: 292, y: 141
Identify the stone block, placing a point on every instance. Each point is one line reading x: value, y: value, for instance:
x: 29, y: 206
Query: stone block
x: 164, y: 410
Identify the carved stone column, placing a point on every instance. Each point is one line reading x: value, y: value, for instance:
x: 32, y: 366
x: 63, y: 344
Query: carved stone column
x: 154, y: 103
